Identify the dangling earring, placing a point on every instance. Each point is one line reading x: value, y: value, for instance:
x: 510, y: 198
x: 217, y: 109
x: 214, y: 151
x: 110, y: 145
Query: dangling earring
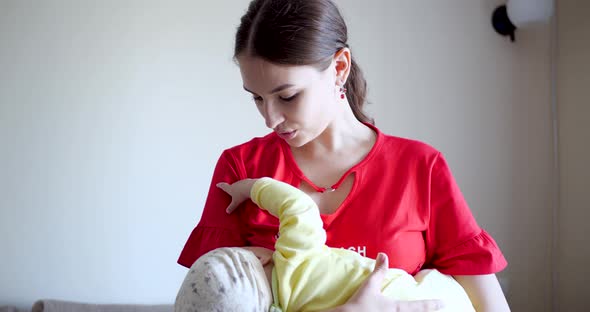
x: 342, y: 92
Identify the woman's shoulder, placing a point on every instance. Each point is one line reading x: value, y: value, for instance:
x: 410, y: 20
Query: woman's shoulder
x: 257, y: 151
x: 400, y: 156
x: 407, y: 147
x: 256, y: 143
x: 388, y: 144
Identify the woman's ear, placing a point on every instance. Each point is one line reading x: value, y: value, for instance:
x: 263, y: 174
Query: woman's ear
x: 343, y: 63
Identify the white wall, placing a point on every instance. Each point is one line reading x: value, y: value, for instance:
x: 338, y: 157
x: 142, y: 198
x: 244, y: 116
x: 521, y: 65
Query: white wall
x: 573, y: 98
x: 113, y: 113
x: 439, y: 73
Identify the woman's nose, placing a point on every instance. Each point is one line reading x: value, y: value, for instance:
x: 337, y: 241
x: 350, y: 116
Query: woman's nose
x: 272, y: 116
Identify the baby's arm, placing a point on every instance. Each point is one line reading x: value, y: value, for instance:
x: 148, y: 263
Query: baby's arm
x: 301, y: 228
x: 239, y: 192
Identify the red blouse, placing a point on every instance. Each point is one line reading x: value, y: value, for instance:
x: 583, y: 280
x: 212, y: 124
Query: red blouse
x: 404, y: 202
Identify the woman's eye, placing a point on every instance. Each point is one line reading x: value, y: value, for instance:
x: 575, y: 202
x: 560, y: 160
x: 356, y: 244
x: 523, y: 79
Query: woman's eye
x: 288, y: 99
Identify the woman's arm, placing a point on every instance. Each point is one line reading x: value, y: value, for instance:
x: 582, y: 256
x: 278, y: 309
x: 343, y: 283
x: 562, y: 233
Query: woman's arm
x: 215, y: 228
x: 484, y: 291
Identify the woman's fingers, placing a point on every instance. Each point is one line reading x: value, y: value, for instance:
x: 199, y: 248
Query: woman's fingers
x: 381, y: 263
x: 419, y: 305
x: 376, y: 277
x: 369, y: 297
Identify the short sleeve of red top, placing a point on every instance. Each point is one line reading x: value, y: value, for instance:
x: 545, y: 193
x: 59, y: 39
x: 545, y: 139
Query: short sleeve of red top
x: 404, y: 202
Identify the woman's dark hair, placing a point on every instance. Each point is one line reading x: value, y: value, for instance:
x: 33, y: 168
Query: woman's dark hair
x: 300, y: 32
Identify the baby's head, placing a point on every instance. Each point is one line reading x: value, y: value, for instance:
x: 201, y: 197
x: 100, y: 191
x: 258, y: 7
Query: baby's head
x: 225, y: 279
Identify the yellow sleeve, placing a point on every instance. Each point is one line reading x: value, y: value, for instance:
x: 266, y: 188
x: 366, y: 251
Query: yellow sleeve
x: 301, y: 228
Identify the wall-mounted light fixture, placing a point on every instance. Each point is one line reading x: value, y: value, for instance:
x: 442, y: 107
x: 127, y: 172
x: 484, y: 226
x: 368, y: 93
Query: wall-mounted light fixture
x: 516, y: 14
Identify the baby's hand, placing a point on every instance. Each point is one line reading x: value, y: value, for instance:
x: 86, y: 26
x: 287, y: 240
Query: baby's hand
x: 239, y: 192
x: 263, y: 254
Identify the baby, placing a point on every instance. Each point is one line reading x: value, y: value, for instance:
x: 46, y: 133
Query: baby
x: 307, y: 274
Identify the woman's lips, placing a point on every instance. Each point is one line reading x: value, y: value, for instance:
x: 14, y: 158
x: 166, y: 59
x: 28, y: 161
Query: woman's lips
x: 287, y: 135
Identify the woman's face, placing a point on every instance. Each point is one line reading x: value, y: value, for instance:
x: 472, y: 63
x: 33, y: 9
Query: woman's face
x: 297, y: 102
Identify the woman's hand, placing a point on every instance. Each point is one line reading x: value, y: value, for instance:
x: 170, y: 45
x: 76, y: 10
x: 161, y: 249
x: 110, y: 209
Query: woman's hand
x: 369, y: 297
x: 239, y: 192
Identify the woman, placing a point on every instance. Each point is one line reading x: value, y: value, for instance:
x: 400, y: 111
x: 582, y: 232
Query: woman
x: 376, y: 193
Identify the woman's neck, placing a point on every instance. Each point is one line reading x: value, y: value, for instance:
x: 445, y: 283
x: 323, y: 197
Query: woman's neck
x: 340, y: 136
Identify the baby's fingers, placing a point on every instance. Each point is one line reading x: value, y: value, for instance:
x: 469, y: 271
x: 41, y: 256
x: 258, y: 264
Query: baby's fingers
x: 228, y: 189
x: 225, y: 187
x: 232, y: 206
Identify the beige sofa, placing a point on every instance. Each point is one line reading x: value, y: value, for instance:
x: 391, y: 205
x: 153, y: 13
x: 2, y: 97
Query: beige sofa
x: 70, y: 306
